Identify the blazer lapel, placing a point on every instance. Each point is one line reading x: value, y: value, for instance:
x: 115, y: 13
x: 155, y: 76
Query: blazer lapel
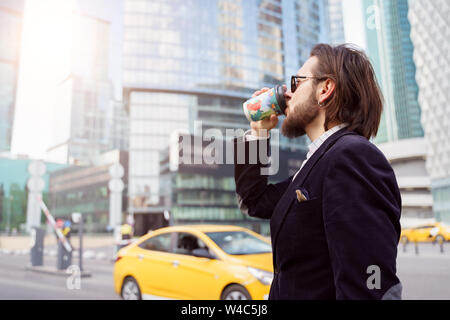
x: 289, y: 196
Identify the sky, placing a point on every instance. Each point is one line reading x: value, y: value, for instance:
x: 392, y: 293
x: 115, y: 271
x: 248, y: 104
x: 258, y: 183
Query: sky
x: 354, y: 22
x: 45, y: 61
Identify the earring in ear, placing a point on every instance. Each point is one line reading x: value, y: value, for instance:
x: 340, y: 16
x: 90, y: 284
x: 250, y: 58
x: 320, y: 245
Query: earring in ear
x: 320, y: 104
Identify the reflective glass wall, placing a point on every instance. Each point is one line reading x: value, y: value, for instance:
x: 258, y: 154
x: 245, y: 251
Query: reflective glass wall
x: 336, y: 21
x: 441, y: 198
x: 217, y: 44
x: 391, y: 51
x: 11, y: 19
x: 199, y: 60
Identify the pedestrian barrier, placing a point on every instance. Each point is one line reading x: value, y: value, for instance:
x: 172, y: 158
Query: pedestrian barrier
x: 52, y: 222
x: 405, y: 242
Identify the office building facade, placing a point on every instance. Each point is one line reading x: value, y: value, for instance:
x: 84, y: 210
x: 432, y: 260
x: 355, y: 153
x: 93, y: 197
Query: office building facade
x: 390, y: 48
x: 11, y: 23
x: 336, y: 22
x: 86, y: 189
x: 430, y: 31
x: 205, y: 192
x: 191, y: 61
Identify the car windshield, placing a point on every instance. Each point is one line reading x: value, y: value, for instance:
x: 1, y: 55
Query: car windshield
x: 239, y: 242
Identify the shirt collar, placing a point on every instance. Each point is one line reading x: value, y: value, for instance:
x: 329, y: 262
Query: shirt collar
x: 318, y: 142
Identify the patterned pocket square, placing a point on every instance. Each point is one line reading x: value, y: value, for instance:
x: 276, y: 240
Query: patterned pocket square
x: 300, y: 196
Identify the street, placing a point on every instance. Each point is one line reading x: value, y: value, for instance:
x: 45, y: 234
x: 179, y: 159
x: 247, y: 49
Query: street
x: 426, y: 276
x: 18, y: 283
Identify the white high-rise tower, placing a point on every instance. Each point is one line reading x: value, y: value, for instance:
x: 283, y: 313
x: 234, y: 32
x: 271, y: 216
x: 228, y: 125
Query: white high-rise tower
x: 430, y: 33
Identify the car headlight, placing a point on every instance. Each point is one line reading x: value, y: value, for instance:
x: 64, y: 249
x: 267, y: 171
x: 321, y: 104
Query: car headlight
x: 265, y: 277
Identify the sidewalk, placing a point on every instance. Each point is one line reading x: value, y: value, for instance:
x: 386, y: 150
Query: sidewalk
x: 95, y: 247
x: 24, y: 242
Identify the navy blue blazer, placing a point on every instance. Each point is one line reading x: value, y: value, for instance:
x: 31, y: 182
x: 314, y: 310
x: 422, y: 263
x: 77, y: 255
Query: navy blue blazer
x: 343, y: 239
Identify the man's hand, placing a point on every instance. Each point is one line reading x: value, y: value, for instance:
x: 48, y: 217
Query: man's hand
x: 261, y: 128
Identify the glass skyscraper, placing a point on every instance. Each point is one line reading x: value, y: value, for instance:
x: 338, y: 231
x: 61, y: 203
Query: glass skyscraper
x: 336, y: 22
x: 400, y: 135
x: 88, y: 119
x: 391, y: 51
x: 430, y: 33
x: 199, y: 60
x: 11, y: 21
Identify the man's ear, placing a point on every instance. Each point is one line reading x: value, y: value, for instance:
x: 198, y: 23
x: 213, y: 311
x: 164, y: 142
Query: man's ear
x: 326, y: 89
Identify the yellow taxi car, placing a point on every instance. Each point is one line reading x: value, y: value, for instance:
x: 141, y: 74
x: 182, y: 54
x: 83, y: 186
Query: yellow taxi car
x: 206, y: 262
x: 434, y: 232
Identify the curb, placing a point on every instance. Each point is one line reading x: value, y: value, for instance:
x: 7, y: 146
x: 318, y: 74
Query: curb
x: 87, y: 255
x: 56, y: 272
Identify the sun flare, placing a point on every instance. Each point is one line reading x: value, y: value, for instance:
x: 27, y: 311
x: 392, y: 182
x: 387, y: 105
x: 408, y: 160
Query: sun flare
x: 45, y: 61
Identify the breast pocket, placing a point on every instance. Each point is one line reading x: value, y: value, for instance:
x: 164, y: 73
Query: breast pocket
x: 304, y: 227
x: 306, y: 212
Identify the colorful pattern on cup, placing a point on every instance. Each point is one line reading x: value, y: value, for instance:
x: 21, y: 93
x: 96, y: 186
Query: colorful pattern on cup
x: 262, y: 106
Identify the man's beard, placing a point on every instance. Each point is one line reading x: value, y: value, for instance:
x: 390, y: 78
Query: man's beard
x: 301, y: 115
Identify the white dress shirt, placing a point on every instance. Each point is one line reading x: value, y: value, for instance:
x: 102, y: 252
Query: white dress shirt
x: 318, y: 142
x: 312, y: 147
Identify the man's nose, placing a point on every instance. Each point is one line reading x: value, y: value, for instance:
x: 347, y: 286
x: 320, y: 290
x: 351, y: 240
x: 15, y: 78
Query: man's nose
x: 287, y: 92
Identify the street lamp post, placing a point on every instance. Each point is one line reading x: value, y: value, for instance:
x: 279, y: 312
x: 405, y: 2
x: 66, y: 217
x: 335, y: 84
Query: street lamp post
x: 80, y: 254
x: 78, y: 218
x: 8, y: 220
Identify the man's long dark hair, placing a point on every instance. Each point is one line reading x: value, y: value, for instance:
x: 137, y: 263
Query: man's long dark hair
x: 357, y: 99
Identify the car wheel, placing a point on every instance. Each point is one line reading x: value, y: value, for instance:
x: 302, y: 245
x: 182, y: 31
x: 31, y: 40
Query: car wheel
x: 235, y: 292
x: 404, y: 239
x: 130, y: 290
x: 439, y: 238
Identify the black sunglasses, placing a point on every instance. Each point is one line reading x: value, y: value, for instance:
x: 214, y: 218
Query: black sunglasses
x: 294, y: 81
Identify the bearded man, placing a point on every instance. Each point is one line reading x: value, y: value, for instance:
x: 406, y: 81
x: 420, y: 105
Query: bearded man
x: 335, y: 224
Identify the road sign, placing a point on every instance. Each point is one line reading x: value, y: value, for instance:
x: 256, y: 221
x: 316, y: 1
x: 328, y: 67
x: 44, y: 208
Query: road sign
x: 76, y: 217
x: 36, y: 168
x: 116, y: 185
x: 116, y: 170
x: 36, y: 184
